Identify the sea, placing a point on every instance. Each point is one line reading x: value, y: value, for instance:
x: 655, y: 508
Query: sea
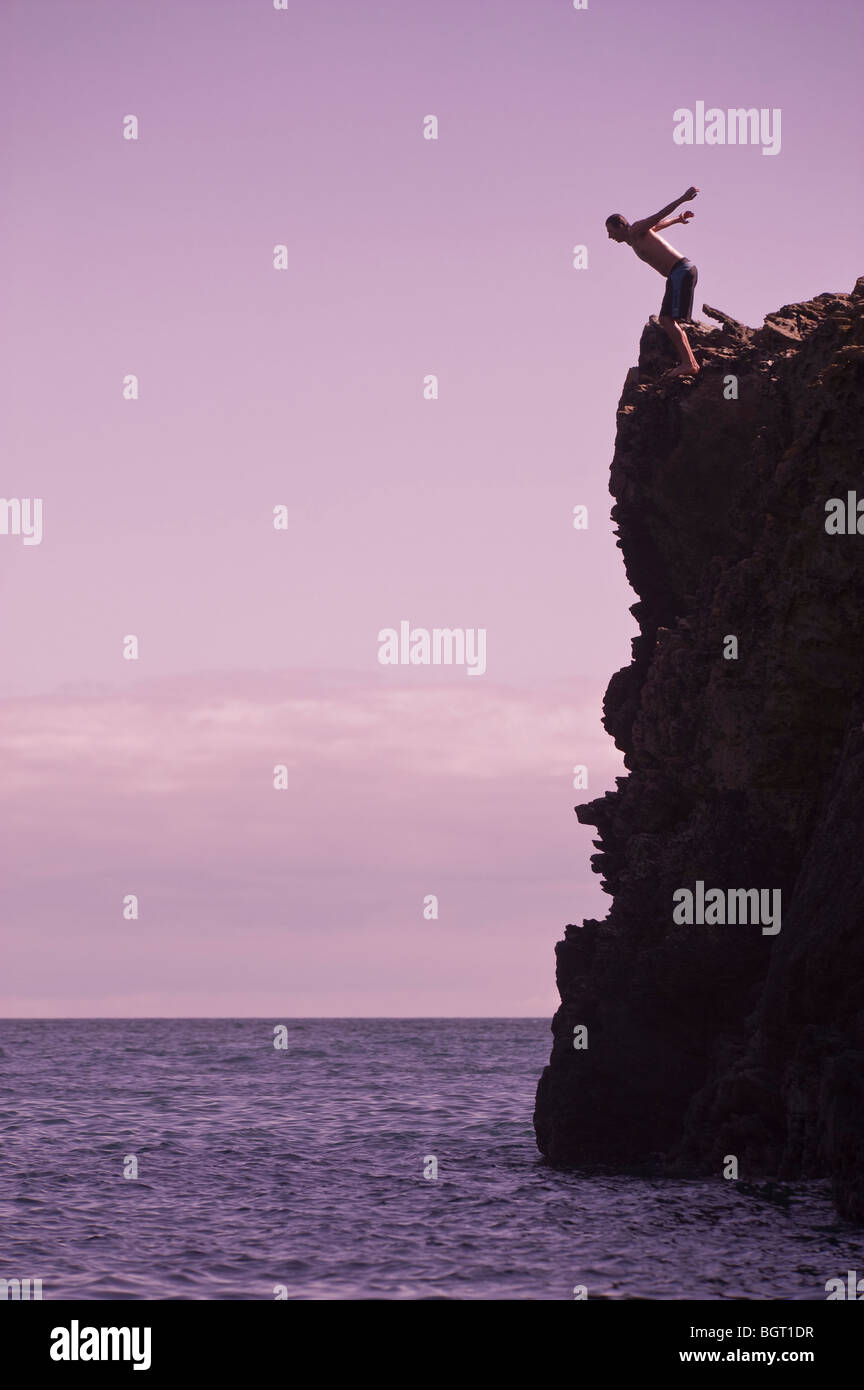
x: 351, y: 1159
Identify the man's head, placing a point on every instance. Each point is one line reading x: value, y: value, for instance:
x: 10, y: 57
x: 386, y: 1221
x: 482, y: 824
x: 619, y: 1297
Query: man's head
x: 617, y: 227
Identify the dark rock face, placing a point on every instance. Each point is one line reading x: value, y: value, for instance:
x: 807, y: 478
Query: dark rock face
x: 712, y: 1040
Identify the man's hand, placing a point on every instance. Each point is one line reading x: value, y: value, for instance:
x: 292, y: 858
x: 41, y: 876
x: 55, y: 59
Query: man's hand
x: 683, y: 218
x: 645, y: 224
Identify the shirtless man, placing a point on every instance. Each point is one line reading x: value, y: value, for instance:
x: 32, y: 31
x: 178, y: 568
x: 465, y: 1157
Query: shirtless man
x: 681, y: 274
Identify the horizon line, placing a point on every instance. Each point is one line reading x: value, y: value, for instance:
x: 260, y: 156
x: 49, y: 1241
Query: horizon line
x: 259, y: 1018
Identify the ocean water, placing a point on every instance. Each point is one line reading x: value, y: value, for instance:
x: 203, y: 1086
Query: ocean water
x: 304, y: 1168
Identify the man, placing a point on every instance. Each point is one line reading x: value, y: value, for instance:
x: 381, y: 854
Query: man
x: 681, y: 274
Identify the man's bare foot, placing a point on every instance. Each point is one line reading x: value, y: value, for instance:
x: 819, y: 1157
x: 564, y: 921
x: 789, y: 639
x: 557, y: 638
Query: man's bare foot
x: 683, y: 370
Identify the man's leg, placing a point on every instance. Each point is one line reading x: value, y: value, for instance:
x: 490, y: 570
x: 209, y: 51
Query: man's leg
x: 673, y: 330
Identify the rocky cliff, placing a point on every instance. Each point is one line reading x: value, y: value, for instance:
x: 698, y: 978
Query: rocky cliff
x: 745, y: 767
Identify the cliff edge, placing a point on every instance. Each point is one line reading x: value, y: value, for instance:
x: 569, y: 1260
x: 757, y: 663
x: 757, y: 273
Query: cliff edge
x: 745, y: 762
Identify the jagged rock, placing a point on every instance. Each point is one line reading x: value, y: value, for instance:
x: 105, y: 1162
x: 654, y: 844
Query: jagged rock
x: 740, y: 330
x: 705, y: 1041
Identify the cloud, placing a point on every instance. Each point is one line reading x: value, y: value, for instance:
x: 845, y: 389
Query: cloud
x: 395, y: 791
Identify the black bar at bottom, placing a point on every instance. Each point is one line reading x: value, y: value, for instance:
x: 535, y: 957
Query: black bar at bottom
x: 212, y: 1339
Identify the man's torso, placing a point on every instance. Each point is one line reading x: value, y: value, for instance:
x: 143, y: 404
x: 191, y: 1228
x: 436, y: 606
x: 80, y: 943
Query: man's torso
x: 656, y: 252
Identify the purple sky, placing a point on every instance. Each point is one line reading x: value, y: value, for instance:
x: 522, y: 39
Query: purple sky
x: 304, y: 387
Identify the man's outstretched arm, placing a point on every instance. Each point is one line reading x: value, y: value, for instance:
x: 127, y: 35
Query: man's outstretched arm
x: 646, y: 223
x: 683, y: 218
